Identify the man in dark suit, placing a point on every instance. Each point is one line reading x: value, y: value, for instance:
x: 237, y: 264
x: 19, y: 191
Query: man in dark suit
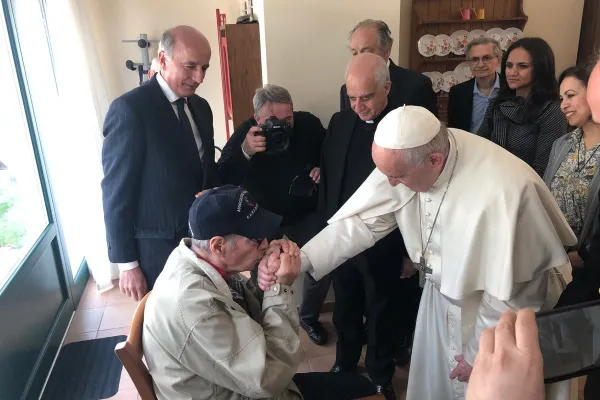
x: 371, y: 280
x: 158, y: 153
x: 468, y: 101
x: 408, y: 87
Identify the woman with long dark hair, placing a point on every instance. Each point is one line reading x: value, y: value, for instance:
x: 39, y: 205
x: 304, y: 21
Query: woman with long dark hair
x: 573, y: 172
x: 525, y: 118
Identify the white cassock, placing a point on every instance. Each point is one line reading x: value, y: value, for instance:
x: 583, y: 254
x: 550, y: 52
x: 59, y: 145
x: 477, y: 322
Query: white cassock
x: 497, y: 244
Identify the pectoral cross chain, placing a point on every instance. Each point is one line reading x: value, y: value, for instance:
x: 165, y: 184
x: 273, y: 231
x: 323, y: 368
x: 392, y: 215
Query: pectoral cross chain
x: 423, y: 270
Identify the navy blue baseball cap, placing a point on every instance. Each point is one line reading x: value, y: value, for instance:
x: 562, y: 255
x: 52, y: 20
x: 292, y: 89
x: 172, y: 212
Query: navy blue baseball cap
x: 231, y: 210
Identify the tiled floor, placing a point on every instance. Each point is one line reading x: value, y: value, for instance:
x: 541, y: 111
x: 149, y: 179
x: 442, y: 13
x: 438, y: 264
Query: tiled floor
x: 109, y: 314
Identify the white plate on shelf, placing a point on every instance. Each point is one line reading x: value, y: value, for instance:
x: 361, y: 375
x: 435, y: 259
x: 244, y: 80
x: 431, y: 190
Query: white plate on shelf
x: 437, y: 79
x: 499, y: 35
x: 463, y: 71
x: 450, y: 80
x: 444, y: 45
x: 475, y: 34
x: 459, y: 42
x: 512, y: 35
x: 427, y: 45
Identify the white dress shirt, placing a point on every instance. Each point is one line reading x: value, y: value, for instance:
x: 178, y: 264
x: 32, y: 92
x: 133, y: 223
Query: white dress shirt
x: 172, y: 97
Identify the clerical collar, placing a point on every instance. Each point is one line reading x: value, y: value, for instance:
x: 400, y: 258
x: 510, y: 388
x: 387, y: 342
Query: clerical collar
x: 224, y: 274
x: 447, y: 171
x: 382, y: 114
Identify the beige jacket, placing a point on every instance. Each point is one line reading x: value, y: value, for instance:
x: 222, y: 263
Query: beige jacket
x: 200, y: 344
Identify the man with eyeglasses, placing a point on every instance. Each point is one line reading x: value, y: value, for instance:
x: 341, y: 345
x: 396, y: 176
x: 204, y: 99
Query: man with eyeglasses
x: 468, y: 101
x: 208, y: 334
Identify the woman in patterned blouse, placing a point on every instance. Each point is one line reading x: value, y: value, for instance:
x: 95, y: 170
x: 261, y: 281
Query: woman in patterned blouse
x: 573, y: 173
x: 525, y: 118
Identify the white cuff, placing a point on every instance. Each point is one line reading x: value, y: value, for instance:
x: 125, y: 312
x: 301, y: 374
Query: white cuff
x: 128, y: 266
x: 246, y: 155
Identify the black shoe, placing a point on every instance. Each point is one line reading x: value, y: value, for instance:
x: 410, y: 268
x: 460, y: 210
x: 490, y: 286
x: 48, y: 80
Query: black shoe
x: 387, y: 391
x: 316, y: 333
x: 337, y: 368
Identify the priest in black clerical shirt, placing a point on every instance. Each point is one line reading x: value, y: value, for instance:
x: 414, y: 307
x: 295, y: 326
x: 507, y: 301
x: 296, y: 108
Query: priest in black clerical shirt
x: 370, y: 281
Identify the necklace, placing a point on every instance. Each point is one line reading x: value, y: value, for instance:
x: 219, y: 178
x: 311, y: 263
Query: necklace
x: 580, y: 168
x: 422, y: 266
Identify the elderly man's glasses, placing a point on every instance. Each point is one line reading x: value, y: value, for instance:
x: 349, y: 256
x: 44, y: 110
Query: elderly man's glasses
x: 259, y: 241
x: 485, y: 59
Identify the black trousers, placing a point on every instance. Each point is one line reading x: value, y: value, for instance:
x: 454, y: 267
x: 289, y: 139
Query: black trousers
x: 313, y: 296
x: 333, y: 386
x: 361, y: 286
x: 153, y: 255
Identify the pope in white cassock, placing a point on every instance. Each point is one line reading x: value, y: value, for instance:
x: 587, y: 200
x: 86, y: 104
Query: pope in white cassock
x: 478, y: 223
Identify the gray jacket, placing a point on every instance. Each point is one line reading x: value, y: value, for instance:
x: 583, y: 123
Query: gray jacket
x: 199, y: 343
x: 559, y: 152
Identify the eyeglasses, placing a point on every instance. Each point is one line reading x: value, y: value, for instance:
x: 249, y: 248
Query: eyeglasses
x: 259, y: 241
x: 486, y: 59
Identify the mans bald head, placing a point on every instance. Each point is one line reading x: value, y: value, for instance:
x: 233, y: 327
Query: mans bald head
x: 593, y: 89
x: 368, y: 84
x: 184, y: 57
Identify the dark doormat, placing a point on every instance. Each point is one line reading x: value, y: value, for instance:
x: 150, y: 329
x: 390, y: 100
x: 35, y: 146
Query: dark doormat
x: 88, y: 370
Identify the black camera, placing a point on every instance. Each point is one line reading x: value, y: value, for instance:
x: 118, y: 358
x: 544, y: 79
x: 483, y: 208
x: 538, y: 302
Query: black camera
x: 278, y: 134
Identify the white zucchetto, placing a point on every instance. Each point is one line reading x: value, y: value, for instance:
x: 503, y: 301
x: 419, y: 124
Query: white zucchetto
x: 407, y: 127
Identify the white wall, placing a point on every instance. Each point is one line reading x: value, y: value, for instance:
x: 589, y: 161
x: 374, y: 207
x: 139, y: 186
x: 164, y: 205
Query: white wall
x: 559, y: 23
x: 114, y: 20
x: 306, y: 46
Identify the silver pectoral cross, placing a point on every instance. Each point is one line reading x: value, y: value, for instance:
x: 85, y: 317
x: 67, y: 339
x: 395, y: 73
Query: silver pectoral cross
x: 423, y: 270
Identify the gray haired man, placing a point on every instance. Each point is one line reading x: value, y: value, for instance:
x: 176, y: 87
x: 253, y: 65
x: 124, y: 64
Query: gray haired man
x: 468, y: 101
x: 283, y: 178
x: 408, y: 87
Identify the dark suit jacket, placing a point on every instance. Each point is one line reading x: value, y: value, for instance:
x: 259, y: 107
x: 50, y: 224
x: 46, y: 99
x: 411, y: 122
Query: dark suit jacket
x: 408, y: 87
x: 268, y: 177
x: 151, y: 169
x: 460, y: 105
x: 334, y: 157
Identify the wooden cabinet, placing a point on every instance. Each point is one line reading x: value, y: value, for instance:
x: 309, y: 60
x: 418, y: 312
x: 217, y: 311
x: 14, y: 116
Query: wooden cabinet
x: 589, y: 37
x: 241, y: 70
x: 435, y: 17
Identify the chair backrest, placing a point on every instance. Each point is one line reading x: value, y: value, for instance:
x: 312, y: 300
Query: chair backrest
x: 130, y: 353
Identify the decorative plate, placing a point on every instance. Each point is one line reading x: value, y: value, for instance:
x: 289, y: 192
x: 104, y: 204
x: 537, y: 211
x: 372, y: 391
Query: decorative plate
x: 450, y: 79
x: 512, y: 35
x: 463, y: 71
x: 476, y: 33
x: 427, y: 45
x: 499, y: 35
x: 443, y: 43
x: 438, y: 79
x: 459, y: 42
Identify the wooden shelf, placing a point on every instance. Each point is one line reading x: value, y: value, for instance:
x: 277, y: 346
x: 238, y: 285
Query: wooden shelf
x: 472, y: 21
x: 436, y: 60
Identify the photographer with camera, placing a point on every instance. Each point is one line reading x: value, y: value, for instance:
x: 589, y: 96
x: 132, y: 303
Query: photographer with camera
x: 275, y: 156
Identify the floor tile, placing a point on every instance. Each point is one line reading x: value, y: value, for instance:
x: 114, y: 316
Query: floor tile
x: 126, y: 382
x: 322, y: 363
x: 91, y: 298
x: 313, y: 350
x: 116, y: 297
x: 87, y: 320
x: 113, y: 332
x: 303, y: 367
x: 78, y: 337
x: 128, y: 394
x: 118, y: 316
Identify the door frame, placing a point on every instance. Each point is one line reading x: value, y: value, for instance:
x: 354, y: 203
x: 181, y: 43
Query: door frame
x: 71, y: 287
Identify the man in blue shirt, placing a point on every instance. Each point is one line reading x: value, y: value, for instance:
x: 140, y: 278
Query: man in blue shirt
x: 468, y: 101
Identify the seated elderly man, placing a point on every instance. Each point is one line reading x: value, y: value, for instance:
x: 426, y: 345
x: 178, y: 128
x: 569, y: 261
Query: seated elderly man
x: 206, y: 333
